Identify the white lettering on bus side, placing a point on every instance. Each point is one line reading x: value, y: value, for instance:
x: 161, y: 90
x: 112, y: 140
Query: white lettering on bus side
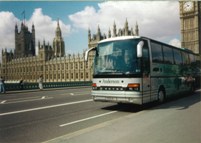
x: 110, y: 81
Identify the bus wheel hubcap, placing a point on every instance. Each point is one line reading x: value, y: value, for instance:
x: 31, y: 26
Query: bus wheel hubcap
x: 161, y: 96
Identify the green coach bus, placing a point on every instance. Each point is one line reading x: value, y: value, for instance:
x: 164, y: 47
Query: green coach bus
x: 138, y: 70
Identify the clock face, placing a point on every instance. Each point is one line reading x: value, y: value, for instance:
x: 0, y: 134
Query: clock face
x: 188, y: 6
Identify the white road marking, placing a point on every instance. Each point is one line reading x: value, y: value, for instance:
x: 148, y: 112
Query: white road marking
x: 43, y: 97
x: 74, y: 122
x: 26, y: 100
x: 45, y: 107
x: 76, y: 93
x: 2, y: 102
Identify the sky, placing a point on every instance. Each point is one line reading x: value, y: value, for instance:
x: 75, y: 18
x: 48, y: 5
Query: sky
x: 158, y: 20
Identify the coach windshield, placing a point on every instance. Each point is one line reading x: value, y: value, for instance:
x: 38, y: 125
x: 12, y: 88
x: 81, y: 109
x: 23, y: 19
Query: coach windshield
x: 117, y: 58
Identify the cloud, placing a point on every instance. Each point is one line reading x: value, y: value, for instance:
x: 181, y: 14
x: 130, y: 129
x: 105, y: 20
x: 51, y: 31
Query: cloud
x: 7, y: 26
x: 175, y: 42
x: 82, y: 19
x: 45, y: 28
x: 156, y: 19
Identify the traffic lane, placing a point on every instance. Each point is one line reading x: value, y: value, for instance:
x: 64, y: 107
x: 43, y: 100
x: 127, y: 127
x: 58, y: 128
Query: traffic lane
x: 27, y: 115
x: 68, y: 112
x: 175, y: 121
x: 45, y: 124
x: 29, y: 102
x: 36, y: 92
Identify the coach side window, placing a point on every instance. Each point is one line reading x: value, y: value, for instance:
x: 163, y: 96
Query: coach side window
x: 168, y: 55
x: 156, y: 51
x: 177, y: 57
x: 185, y: 58
x: 192, y: 59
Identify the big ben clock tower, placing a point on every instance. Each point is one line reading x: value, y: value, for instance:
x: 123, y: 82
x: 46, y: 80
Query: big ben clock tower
x: 190, y: 16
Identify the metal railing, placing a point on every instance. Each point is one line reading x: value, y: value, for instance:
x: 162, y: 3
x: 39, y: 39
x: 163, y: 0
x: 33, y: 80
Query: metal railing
x: 28, y: 86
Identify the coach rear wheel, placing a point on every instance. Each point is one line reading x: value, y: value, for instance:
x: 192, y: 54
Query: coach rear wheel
x: 161, y: 96
x: 192, y: 88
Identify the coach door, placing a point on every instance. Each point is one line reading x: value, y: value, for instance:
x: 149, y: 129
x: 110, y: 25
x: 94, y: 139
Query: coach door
x: 146, y: 74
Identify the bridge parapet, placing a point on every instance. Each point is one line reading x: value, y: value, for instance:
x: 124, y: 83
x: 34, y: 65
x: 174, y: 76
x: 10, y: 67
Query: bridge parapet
x: 28, y: 86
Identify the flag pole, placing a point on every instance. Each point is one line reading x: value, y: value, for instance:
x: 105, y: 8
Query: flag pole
x: 23, y: 13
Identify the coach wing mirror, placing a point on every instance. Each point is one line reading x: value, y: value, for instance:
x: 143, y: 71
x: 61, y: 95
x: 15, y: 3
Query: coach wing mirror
x: 139, y: 49
x: 87, y: 53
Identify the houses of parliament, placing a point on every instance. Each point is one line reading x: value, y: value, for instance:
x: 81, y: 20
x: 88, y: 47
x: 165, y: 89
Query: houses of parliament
x: 51, y: 61
x: 56, y: 66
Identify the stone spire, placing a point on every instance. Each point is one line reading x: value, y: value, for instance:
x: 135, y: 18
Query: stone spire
x: 89, y: 35
x: 136, y: 29
x: 58, y: 43
x: 114, y: 30
x: 109, y: 33
x: 58, y: 30
x: 98, y: 36
x: 126, y: 28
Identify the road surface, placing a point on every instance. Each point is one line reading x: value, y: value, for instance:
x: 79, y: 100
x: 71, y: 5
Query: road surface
x: 70, y: 115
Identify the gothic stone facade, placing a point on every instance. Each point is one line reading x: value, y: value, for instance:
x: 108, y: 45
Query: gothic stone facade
x: 51, y: 62
x: 58, y: 69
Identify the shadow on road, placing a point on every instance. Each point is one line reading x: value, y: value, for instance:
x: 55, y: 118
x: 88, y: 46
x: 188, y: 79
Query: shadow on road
x: 180, y: 102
